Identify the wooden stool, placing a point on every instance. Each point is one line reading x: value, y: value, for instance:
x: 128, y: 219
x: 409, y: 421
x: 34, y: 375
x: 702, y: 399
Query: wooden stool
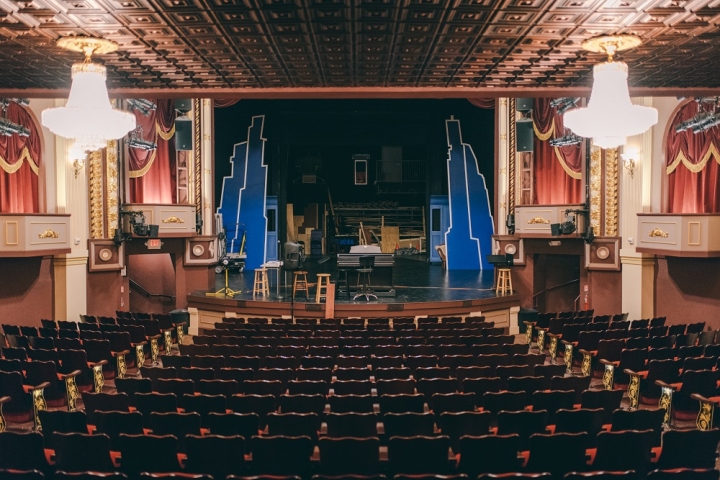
x: 260, y: 285
x: 300, y: 282
x: 504, y: 282
x: 323, y: 282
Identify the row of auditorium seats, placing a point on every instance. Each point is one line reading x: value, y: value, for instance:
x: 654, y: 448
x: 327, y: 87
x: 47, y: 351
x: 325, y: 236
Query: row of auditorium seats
x: 220, y: 456
x: 675, y: 474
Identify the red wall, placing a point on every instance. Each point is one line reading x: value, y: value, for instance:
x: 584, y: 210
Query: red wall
x: 687, y: 290
x: 547, y: 266
x: 157, y: 272
x: 27, y: 292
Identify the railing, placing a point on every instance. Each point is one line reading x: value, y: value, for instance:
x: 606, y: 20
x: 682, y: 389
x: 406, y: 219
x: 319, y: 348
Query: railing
x: 400, y: 171
x: 146, y: 294
x: 534, y: 297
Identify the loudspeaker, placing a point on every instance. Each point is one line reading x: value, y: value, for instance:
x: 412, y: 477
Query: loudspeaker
x: 183, y: 105
x: 524, y: 136
x: 183, y: 134
x: 555, y: 229
x: 154, y: 230
x: 523, y: 104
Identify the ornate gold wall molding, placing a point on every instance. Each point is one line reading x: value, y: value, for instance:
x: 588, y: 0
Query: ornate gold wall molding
x: 111, y: 187
x: 96, y: 194
x: 511, y: 156
x: 611, y: 192
x: 595, y: 187
x: 197, y: 156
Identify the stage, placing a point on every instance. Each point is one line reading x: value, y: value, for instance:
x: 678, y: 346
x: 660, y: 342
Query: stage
x: 421, y: 289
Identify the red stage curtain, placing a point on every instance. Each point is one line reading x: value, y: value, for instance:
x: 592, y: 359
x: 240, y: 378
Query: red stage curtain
x: 482, y: 102
x: 20, y: 161
x: 557, y: 171
x: 225, y: 102
x: 692, y: 167
x: 152, y: 173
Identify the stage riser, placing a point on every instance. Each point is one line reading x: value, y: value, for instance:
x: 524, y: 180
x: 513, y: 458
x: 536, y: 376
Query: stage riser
x: 501, y: 310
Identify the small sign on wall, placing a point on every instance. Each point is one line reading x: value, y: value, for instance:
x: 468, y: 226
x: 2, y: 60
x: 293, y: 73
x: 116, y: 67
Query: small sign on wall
x: 361, y: 169
x: 153, y: 244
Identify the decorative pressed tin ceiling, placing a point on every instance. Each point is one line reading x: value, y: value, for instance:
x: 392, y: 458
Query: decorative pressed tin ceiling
x: 216, y: 45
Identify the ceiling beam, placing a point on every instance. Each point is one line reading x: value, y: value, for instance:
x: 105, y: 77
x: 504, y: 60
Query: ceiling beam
x: 359, y: 92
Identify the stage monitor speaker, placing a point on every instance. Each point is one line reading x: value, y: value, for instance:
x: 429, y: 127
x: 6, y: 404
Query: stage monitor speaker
x: 183, y: 105
x: 524, y: 136
x: 183, y: 134
x: 524, y: 104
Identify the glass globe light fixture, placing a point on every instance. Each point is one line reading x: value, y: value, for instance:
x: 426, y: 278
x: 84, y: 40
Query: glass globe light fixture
x: 610, y: 116
x: 88, y: 117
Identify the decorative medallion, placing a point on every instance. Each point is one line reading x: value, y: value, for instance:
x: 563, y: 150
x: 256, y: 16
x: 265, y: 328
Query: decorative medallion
x: 705, y: 416
x: 657, y: 233
x: 528, y: 333
x: 105, y: 254
x: 538, y: 221
x: 173, y: 219
x: 633, y: 392
x: 154, y: 350
x: 602, y: 253
x: 167, y: 335
x: 568, y: 357
x: 510, y: 249
x: 609, y: 377
x: 553, y: 349
x: 139, y: 355
x: 72, y: 393
x: 49, y: 233
x: 180, y: 333
x: 121, y: 366
x: 666, y: 403
x: 586, y: 367
x: 541, y: 340
x: 98, y: 379
x: 38, y: 400
x: 198, y: 250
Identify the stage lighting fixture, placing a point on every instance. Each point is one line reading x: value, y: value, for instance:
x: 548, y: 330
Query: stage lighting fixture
x: 135, y: 223
x: 136, y: 141
x: 560, y: 101
x: 707, y: 122
x: 24, y: 102
x: 569, y: 139
x: 9, y: 128
x: 142, y: 105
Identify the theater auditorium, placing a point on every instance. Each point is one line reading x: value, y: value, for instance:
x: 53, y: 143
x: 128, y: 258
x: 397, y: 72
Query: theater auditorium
x: 359, y: 240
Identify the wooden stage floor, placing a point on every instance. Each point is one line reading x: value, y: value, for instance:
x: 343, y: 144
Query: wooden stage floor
x: 421, y: 289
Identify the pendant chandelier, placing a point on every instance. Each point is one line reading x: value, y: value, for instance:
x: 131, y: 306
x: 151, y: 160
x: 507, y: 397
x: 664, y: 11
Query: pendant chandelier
x: 610, y: 116
x: 88, y: 117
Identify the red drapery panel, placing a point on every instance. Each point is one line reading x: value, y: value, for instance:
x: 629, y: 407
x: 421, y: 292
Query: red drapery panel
x: 482, y: 102
x: 152, y: 173
x: 225, y: 102
x: 557, y: 171
x: 20, y: 160
x: 692, y: 167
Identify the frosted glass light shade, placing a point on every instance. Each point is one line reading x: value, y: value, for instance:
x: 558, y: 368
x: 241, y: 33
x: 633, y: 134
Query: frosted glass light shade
x: 88, y: 116
x: 610, y: 116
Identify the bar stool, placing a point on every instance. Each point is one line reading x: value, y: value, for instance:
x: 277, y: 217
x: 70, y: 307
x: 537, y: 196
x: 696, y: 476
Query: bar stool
x: 367, y: 262
x: 322, y: 286
x: 504, y: 282
x: 260, y: 285
x: 300, y: 282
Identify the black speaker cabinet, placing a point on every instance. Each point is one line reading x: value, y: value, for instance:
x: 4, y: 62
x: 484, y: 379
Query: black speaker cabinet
x: 183, y: 134
x: 183, y: 105
x: 524, y: 136
x: 523, y: 104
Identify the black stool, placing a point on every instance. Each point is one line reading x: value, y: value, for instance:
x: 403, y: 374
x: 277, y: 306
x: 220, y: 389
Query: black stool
x: 367, y: 262
x: 343, y: 281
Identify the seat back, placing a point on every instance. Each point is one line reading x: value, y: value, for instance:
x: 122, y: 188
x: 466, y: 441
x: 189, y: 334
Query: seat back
x: 419, y: 454
x: 80, y: 452
x: 148, y: 453
x: 689, y: 448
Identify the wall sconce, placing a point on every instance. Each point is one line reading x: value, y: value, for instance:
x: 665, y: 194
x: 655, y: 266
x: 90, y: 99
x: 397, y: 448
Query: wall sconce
x: 78, y: 158
x: 629, y: 156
